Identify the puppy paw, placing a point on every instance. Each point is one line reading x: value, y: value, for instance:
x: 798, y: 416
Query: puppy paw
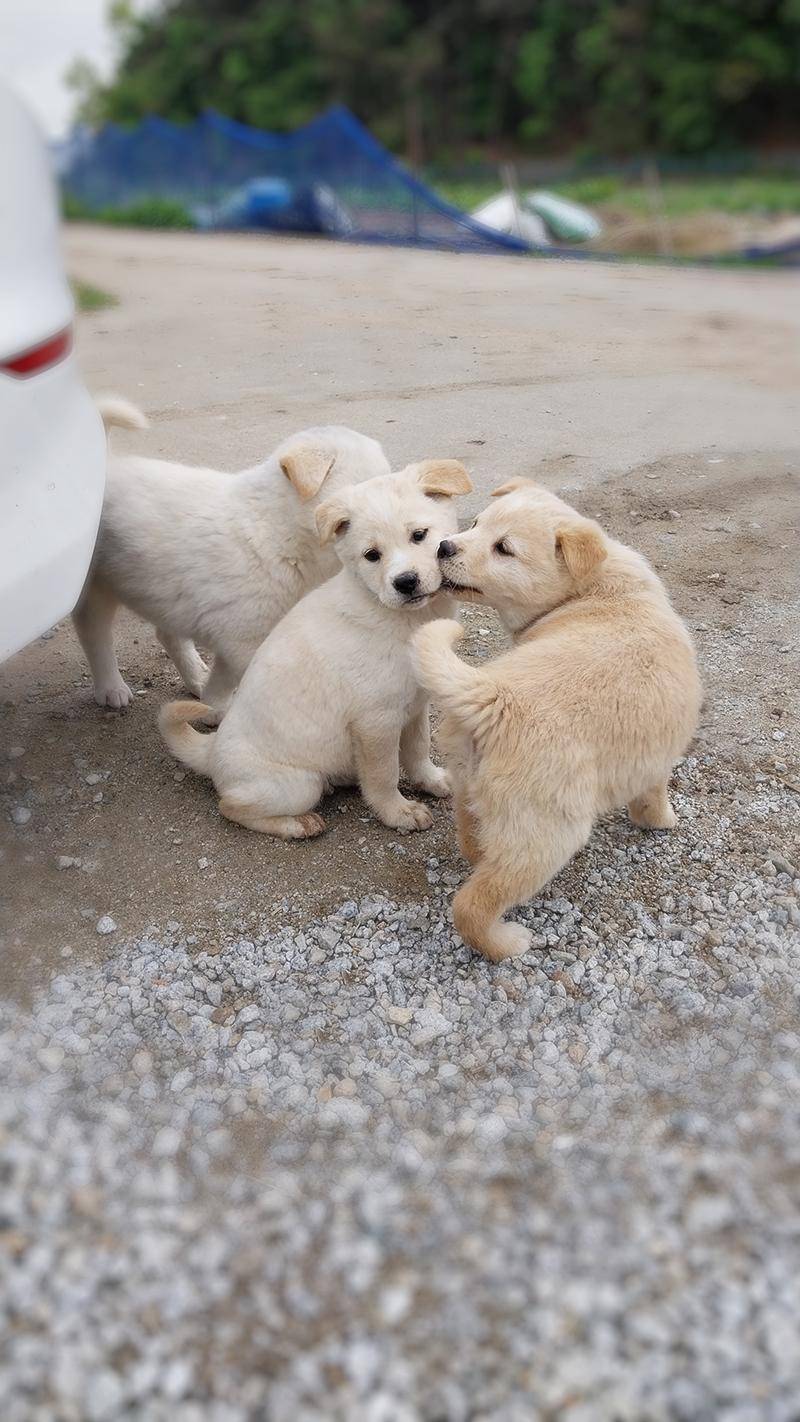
x: 196, y: 678
x: 409, y: 815
x: 116, y: 694
x: 506, y: 940
x: 291, y: 826
x: 433, y: 780
x: 212, y: 717
x: 653, y: 811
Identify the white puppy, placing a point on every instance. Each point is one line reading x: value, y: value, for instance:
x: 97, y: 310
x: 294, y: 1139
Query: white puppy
x: 330, y: 697
x: 210, y: 557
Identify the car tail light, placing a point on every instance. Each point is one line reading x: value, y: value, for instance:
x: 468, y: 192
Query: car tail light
x: 39, y: 358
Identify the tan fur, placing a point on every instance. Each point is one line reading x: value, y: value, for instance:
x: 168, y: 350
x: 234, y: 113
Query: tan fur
x: 589, y: 710
x: 307, y: 469
x: 331, y: 519
x: 174, y: 723
x: 443, y: 478
x: 582, y: 546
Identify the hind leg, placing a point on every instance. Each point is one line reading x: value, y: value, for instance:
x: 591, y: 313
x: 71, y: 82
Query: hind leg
x: 515, y: 867
x: 278, y: 803
x: 652, y: 810
x: 466, y: 829
x: 94, y: 618
x: 182, y: 651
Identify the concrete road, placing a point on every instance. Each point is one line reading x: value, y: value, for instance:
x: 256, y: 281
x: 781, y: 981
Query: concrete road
x: 570, y: 370
x: 631, y: 389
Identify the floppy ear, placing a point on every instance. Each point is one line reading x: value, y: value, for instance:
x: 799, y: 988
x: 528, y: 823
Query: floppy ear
x: 582, y: 545
x: 441, y: 478
x: 332, y: 518
x: 307, y: 468
x: 510, y: 487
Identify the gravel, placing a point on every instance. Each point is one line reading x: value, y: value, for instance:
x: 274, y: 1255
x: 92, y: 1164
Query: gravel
x: 347, y: 1170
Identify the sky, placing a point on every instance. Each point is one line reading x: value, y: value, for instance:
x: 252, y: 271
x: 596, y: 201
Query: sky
x: 39, y: 40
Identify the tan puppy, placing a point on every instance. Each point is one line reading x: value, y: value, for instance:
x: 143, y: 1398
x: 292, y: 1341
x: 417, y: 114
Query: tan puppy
x: 590, y: 710
x: 330, y: 698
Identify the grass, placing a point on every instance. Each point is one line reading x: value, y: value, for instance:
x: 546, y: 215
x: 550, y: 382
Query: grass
x: 155, y: 212
x: 465, y: 193
x: 91, y: 298
x: 746, y: 193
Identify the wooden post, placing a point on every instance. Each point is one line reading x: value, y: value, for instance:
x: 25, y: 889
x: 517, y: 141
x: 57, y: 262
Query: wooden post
x: 652, y: 179
x: 509, y: 178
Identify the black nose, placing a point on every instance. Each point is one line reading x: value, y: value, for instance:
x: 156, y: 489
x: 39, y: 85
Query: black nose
x: 406, y: 582
x: 446, y: 549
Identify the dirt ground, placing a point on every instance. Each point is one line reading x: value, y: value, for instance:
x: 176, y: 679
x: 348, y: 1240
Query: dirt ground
x: 663, y: 402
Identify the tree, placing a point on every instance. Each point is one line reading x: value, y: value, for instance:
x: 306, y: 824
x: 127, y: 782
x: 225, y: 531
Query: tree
x: 433, y: 75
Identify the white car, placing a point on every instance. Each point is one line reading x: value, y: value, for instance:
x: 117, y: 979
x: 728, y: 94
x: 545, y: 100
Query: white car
x: 52, y: 444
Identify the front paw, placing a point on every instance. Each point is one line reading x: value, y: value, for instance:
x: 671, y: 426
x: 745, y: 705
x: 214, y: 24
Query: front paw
x: 408, y: 815
x: 115, y: 693
x: 196, y: 678
x: 433, y: 780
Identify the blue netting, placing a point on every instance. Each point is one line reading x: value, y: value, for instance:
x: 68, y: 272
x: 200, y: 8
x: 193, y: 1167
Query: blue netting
x: 331, y: 176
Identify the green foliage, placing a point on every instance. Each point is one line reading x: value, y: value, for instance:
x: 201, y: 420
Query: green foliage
x: 74, y: 210
x: 614, y: 76
x: 91, y: 298
x: 758, y: 195
x: 603, y: 188
x: 464, y: 193
x: 148, y: 212
x: 165, y: 213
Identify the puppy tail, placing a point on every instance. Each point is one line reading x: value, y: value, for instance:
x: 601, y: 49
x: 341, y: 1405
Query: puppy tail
x: 454, y: 685
x: 184, y: 742
x: 116, y: 411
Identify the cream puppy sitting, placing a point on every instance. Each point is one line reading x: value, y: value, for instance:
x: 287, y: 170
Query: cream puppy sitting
x: 330, y: 697
x: 211, y: 557
x: 590, y: 710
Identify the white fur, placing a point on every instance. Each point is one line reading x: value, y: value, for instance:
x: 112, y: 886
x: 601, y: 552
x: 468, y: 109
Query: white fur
x: 209, y: 557
x: 330, y: 698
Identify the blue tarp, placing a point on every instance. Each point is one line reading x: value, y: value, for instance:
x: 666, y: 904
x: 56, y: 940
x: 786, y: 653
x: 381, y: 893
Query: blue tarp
x: 330, y: 176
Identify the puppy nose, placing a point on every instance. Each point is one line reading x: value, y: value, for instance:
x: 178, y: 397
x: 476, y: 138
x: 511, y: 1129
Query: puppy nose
x: 406, y: 582
x: 446, y: 549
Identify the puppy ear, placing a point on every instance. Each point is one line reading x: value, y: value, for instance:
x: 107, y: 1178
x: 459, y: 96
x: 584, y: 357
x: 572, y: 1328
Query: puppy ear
x: 307, y: 468
x: 510, y: 487
x: 582, y: 545
x: 442, y: 478
x: 331, y: 518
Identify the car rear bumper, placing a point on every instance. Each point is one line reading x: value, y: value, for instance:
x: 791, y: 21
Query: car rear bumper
x: 52, y: 475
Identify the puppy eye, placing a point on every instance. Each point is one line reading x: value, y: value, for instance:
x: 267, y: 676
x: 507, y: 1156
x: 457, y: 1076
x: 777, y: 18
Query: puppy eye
x: 419, y: 535
x: 373, y: 555
x: 503, y: 549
